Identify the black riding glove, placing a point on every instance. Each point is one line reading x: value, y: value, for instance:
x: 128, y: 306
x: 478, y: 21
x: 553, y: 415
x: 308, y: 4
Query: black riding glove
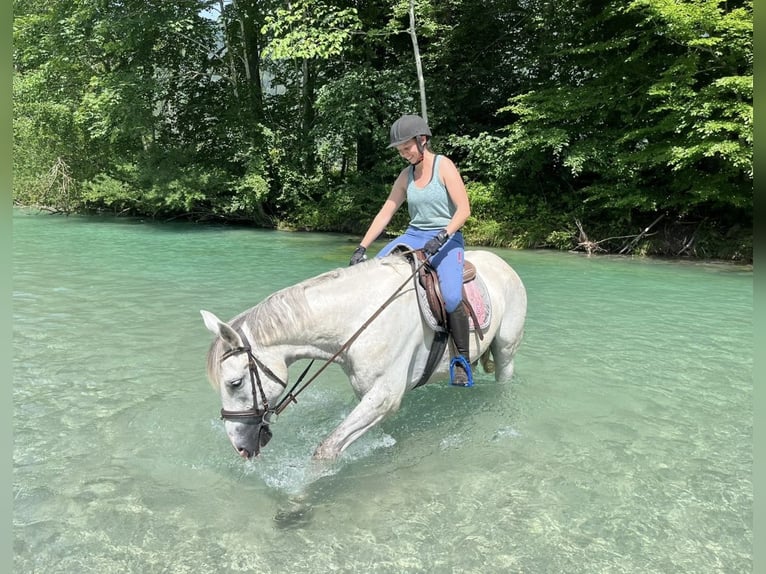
x: 358, y: 256
x: 434, y: 244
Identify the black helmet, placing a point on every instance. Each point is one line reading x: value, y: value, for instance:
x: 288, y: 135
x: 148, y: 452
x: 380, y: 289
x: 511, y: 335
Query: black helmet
x: 408, y: 127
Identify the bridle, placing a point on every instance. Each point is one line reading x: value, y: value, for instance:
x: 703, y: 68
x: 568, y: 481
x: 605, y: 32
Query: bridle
x: 262, y: 415
x: 253, y: 415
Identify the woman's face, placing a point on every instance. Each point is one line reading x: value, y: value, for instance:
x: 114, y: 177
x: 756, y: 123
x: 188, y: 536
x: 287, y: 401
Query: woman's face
x: 409, y: 151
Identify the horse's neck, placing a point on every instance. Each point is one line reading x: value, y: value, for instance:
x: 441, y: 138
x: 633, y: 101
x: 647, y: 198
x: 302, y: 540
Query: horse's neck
x: 314, y: 318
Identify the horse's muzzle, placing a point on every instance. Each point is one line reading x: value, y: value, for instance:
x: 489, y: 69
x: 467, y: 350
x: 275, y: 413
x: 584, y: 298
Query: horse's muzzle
x: 249, y: 444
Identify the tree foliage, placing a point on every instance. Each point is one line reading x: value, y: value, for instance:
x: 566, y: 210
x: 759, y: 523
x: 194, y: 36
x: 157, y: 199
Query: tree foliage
x: 276, y: 113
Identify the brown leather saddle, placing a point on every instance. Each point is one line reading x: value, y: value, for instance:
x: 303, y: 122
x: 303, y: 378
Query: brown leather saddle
x: 430, y: 282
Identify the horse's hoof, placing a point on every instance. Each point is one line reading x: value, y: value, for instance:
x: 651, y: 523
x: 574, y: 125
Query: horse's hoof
x: 295, y: 516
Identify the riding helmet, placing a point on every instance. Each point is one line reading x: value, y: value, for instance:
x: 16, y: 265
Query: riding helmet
x: 408, y: 127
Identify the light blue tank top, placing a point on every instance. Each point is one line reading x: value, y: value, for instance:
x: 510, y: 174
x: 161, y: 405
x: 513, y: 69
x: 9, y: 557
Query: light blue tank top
x: 430, y: 207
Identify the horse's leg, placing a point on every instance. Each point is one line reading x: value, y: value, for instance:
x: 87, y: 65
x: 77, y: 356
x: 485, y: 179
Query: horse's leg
x: 503, y: 363
x: 508, y: 336
x: 380, y: 401
x: 486, y: 362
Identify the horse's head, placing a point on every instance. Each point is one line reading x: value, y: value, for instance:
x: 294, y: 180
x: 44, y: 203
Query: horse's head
x: 246, y: 385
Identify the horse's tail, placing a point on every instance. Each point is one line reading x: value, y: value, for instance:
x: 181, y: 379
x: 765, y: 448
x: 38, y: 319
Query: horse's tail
x: 486, y: 362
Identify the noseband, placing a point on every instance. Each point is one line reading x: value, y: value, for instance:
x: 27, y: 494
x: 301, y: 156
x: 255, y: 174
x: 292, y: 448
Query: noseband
x: 253, y: 415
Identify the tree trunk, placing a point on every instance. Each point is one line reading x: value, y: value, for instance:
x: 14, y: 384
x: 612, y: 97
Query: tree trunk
x: 249, y: 17
x: 366, y: 152
x: 418, y: 64
x: 229, y: 51
x: 309, y: 114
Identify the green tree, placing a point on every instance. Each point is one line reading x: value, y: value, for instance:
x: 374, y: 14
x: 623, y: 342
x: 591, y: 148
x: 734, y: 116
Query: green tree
x: 277, y: 113
x: 650, y: 112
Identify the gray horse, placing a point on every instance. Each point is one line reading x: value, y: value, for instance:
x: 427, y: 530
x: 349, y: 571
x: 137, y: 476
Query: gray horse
x: 248, y: 360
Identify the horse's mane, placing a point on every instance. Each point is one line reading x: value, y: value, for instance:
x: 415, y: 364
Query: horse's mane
x: 286, y: 310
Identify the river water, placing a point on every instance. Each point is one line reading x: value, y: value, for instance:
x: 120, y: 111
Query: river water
x: 623, y: 444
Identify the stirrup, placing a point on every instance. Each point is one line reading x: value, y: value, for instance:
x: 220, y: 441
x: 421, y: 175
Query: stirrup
x: 460, y: 360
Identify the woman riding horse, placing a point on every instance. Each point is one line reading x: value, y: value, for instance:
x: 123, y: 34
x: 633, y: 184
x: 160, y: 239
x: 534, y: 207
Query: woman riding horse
x: 438, y: 206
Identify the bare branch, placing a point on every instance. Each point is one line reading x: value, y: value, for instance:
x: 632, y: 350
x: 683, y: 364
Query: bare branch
x: 629, y: 247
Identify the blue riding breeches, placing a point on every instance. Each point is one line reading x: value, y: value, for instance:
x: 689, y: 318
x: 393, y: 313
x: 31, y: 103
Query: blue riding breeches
x: 448, y: 261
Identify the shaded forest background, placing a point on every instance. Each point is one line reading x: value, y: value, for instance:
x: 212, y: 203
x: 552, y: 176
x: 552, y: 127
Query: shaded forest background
x: 595, y: 125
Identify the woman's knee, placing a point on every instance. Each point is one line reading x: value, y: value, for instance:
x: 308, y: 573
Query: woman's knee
x: 452, y: 302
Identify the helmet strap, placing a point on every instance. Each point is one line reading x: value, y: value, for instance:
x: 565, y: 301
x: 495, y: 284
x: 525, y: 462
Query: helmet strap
x: 421, y: 149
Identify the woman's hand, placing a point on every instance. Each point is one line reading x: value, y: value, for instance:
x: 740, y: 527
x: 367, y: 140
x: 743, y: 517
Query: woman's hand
x: 358, y: 256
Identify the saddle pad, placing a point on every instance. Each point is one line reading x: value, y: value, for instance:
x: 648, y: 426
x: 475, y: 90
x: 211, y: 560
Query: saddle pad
x: 475, y: 293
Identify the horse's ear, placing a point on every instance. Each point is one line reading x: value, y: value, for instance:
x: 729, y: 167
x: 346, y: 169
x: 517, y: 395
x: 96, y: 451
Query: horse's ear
x: 218, y: 327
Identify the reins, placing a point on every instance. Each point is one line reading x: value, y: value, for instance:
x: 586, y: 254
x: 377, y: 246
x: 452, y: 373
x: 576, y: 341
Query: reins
x: 292, y: 394
x: 262, y: 416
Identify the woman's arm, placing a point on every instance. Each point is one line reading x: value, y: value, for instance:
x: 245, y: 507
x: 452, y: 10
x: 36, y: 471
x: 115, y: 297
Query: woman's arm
x: 453, y: 181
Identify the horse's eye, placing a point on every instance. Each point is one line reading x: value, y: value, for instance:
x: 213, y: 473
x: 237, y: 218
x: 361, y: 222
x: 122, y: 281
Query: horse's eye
x: 235, y: 384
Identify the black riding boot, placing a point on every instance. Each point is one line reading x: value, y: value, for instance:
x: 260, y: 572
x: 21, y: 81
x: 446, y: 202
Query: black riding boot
x: 460, y: 366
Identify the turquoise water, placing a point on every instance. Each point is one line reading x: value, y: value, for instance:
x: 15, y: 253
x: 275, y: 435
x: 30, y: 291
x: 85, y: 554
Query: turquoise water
x: 623, y: 443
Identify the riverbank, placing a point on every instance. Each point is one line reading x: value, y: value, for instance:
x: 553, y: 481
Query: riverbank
x: 672, y: 240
